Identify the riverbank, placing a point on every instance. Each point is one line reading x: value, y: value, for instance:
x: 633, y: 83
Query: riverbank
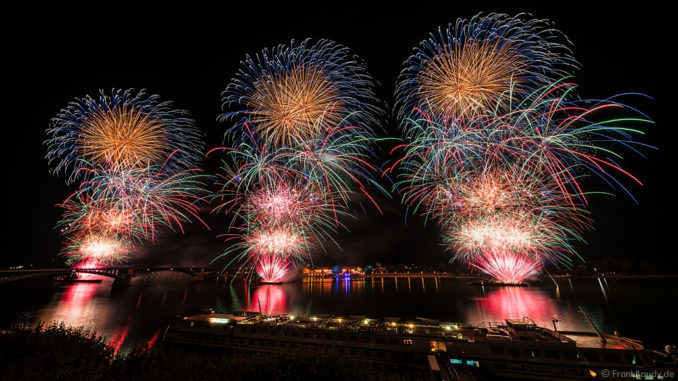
x: 478, y: 277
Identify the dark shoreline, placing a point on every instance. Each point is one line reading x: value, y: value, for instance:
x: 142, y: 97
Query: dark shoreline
x: 68, y: 353
x: 456, y: 276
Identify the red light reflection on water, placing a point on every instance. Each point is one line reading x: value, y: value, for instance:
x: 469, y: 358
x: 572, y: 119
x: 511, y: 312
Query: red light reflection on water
x: 515, y: 303
x: 270, y: 299
x: 118, y: 338
x: 75, y: 309
x: 79, y: 294
x: 79, y: 307
x: 152, y: 341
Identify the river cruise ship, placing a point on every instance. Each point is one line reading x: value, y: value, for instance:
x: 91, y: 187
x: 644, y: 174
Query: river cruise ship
x: 517, y: 349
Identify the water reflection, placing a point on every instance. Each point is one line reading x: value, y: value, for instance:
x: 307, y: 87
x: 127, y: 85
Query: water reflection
x: 268, y: 299
x: 137, y: 314
x: 514, y: 303
x: 75, y: 306
x: 443, y: 299
x: 118, y: 338
x: 518, y: 302
x: 88, y: 305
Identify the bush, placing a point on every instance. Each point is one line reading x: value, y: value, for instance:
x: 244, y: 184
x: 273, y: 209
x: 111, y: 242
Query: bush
x: 56, y: 352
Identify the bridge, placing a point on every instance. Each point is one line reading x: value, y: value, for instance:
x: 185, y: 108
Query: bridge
x: 122, y: 275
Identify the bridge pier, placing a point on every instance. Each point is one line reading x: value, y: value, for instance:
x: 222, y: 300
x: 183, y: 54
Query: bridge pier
x: 124, y: 279
x: 200, y: 275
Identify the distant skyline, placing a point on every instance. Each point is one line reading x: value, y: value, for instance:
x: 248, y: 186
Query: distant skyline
x: 188, y: 56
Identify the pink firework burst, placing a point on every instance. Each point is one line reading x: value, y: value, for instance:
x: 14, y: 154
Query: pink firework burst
x: 508, y: 267
x: 272, y: 250
x: 278, y: 202
x: 512, y: 232
x: 101, y: 249
x: 279, y: 241
x: 272, y: 268
x: 509, y: 247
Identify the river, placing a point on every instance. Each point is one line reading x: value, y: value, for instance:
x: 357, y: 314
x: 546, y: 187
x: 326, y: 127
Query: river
x: 138, y: 314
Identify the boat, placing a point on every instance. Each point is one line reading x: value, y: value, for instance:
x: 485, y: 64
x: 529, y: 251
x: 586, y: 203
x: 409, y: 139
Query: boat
x: 512, y: 349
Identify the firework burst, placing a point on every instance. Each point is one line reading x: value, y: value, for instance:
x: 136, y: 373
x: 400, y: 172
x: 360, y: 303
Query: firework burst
x: 506, y: 185
x: 482, y: 63
x: 125, y: 128
x: 272, y: 268
x: 509, y: 268
x: 127, y: 205
x: 304, y: 118
x: 282, y: 241
x: 297, y: 92
x: 133, y: 156
x: 269, y: 249
x: 96, y: 248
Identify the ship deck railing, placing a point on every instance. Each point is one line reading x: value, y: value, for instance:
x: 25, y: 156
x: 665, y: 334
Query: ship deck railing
x: 442, y: 330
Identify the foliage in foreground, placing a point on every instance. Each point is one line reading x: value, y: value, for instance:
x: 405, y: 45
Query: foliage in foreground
x: 58, y: 352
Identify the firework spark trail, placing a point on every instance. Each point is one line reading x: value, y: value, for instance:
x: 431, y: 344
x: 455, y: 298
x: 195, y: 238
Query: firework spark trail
x: 495, y: 148
x: 272, y: 251
x: 272, y: 268
x: 508, y: 268
x: 303, y: 126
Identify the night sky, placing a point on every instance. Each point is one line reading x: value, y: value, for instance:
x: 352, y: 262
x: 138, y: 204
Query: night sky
x: 189, y: 55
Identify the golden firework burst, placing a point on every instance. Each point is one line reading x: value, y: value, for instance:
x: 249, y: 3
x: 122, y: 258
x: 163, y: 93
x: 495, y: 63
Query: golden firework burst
x: 122, y: 136
x: 292, y: 107
x: 461, y: 80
